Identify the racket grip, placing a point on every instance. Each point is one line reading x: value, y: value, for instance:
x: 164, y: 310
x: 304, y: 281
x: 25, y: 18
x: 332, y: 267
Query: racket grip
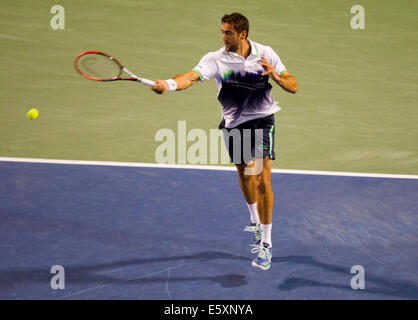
x: 147, y: 82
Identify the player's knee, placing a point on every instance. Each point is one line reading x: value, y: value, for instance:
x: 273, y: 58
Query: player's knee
x: 243, y: 168
x: 264, y: 187
x: 264, y: 183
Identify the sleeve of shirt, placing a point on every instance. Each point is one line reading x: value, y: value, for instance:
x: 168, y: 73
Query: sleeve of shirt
x: 206, y: 69
x: 275, y: 61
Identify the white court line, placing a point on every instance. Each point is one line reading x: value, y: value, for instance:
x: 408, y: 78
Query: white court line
x: 205, y: 167
x: 119, y: 282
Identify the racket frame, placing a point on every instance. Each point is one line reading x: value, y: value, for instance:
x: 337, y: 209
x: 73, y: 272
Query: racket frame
x: 122, y: 69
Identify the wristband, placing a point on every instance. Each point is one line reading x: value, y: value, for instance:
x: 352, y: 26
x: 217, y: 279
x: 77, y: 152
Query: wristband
x: 172, y: 84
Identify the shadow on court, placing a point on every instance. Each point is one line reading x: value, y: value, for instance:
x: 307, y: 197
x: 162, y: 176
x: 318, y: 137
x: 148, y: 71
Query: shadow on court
x: 401, y: 289
x: 89, y: 275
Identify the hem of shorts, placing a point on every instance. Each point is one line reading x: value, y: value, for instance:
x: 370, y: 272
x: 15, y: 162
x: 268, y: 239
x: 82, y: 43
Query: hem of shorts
x: 250, y: 118
x: 271, y: 158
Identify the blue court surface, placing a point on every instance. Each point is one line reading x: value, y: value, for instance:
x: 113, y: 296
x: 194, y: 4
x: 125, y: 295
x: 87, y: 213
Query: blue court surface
x: 161, y: 233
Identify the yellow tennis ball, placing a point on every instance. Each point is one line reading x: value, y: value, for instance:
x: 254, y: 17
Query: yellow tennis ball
x: 32, y: 113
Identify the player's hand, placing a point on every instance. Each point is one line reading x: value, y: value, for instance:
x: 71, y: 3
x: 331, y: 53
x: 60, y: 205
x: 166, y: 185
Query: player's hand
x: 268, y: 68
x: 160, y: 87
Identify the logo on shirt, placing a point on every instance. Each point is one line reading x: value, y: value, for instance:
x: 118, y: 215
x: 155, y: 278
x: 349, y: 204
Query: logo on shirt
x: 247, y: 80
x: 227, y: 74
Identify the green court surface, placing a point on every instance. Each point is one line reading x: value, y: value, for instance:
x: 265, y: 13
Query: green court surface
x: 356, y: 109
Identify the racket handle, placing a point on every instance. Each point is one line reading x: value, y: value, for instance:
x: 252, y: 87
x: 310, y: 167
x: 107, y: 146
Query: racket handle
x: 147, y: 82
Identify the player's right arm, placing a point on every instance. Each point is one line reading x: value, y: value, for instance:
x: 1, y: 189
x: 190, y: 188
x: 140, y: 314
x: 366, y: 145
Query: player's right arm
x: 183, y: 81
x: 205, y: 70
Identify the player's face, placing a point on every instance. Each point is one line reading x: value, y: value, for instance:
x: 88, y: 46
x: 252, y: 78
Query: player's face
x: 231, y: 38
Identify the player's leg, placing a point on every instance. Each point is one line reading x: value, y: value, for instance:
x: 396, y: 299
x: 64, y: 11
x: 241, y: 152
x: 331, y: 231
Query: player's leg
x: 249, y: 187
x: 265, y: 196
x: 265, y: 200
x: 257, y: 189
x: 248, y: 183
x: 265, y: 205
x: 233, y: 138
x: 260, y: 186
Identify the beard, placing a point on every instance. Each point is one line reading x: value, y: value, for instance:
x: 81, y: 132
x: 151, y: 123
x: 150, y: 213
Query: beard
x: 232, y: 47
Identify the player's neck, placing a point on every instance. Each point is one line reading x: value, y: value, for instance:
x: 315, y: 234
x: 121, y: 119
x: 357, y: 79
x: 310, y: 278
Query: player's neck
x: 245, y: 48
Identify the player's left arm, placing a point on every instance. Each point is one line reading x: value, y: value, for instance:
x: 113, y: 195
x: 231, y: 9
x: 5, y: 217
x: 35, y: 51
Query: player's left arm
x: 285, y: 80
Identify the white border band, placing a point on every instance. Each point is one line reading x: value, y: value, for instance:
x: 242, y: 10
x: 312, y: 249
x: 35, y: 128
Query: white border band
x: 205, y: 167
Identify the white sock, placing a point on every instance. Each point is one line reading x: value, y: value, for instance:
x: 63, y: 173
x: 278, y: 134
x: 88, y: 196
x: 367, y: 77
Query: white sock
x: 253, y: 213
x: 266, y: 233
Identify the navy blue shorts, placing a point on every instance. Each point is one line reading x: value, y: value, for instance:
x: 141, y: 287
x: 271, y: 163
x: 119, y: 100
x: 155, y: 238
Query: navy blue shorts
x: 250, y: 140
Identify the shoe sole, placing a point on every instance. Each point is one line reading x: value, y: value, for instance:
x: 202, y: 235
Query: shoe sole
x: 255, y: 265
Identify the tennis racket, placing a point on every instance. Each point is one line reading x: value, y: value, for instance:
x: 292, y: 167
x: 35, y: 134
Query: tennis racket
x: 100, y: 66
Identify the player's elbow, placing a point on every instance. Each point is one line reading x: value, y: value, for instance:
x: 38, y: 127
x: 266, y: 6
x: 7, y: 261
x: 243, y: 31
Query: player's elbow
x: 292, y: 88
x: 290, y: 85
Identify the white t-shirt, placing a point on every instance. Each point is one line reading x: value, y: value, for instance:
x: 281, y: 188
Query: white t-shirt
x: 243, y: 93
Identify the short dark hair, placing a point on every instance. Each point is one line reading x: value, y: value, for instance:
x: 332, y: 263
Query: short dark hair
x: 238, y: 21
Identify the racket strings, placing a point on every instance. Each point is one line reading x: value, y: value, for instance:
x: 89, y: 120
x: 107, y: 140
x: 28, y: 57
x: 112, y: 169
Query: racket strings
x: 99, y: 67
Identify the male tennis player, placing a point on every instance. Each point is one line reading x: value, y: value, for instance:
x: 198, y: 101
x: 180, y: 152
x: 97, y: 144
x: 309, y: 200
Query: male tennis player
x: 242, y: 69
